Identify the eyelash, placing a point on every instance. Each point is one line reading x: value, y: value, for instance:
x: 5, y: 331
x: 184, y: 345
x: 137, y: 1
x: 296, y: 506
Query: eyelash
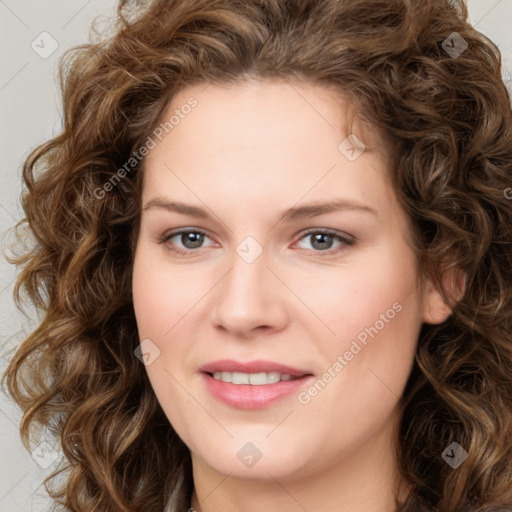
x: 346, y: 240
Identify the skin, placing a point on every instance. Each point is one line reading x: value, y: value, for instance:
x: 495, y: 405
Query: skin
x: 245, y: 153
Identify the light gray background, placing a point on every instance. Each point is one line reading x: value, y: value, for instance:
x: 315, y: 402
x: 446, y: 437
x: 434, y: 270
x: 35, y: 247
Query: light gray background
x: 30, y: 115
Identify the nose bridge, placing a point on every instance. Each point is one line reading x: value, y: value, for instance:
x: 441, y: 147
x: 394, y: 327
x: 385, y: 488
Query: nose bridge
x: 249, y: 273
x: 247, y: 298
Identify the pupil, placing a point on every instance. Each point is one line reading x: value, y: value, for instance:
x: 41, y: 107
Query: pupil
x: 195, y: 239
x: 320, y: 236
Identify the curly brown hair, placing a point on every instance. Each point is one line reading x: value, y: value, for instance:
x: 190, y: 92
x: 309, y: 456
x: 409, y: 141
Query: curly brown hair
x: 447, y: 115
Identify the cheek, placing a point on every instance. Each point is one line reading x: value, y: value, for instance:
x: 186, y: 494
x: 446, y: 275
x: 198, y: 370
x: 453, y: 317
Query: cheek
x: 374, y: 311
x: 163, y: 299
x: 156, y: 300
x: 356, y: 297
x: 147, y: 297
x: 157, y: 308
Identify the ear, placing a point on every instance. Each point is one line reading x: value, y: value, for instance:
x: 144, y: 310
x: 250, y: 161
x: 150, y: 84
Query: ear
x: 435, y: 309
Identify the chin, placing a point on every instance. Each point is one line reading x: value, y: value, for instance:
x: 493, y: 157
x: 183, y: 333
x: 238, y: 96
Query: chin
x: 258, y: 460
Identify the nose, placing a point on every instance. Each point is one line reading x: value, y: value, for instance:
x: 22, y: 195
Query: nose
x: 250, y: 298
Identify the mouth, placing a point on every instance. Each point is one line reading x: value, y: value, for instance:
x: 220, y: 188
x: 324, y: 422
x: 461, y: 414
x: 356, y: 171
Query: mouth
x: 254, y: 384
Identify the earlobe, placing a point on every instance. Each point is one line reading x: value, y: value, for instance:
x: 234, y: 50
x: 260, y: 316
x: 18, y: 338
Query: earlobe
x: 435, y: 309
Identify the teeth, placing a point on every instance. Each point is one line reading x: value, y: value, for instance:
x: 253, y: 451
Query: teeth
x: 240, y: 378
x: 255, y: 379
x: 273, y: 377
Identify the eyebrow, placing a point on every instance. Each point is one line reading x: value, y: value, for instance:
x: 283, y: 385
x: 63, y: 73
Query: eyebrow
x: 309, y: 210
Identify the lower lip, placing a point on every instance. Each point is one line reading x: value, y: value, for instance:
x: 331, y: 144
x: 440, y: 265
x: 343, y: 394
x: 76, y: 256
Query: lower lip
x: 247, y: 396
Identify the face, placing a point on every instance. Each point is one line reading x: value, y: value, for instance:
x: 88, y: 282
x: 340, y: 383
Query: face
x: 243, y: 274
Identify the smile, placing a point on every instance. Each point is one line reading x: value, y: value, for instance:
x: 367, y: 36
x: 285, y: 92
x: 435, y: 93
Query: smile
x: 254, y: 379
x: 254, y: 384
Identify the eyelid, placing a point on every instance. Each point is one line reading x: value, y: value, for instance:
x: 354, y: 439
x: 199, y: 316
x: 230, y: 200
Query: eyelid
x: 334, y: 232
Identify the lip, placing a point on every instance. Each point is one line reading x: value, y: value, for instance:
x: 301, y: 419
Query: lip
x: 246, y: 396
x: 230, y: 365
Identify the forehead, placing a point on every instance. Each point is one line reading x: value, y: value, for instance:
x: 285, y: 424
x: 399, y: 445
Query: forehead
x: 277, y: 139
x: 256, y: 111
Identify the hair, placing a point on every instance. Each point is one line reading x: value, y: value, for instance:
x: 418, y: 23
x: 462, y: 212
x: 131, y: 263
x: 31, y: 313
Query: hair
x: 448, y: 123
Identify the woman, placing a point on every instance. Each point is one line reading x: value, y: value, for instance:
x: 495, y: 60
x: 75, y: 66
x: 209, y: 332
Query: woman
x: 201, y: 348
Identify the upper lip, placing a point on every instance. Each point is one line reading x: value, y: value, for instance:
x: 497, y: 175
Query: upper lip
x: 259, y: 366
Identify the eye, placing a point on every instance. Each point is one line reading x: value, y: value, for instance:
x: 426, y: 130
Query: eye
x: 322, y: 241
x: 190, y: 238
